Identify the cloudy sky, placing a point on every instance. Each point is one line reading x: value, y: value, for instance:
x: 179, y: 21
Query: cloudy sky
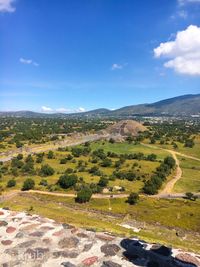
x: 77, y: 55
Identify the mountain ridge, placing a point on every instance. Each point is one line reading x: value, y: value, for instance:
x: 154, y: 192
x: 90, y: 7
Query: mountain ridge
x: 184, y: 105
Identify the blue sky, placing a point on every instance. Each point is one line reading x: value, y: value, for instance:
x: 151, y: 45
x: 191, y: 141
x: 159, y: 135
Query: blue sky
x: 72, y: 55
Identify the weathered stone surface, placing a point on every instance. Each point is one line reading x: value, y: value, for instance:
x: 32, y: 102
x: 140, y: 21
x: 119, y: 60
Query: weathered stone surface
x: 67, y: 226
x: 110, y: 264
x: 46, y: 228
x: 26, y: 244
x: 110, y: 249
x: 187, y: 258
x: 19, y: 235
x: 58, y: 233
x: 11, y: 252
x: 87, y: 247
x: 3, y: 223
x: 65, y: 254
x: 82, y: 248
x: 37, y: 253
x: 82, y: 235
x: 68, y: 242
x: 29, y: 227
x: 105, y: 237
x: 68, y: 264
x: 6, y: 242
x: 47, y: 241
x: 90, y: 261
x: 10, y: 230
x: 37, y: 234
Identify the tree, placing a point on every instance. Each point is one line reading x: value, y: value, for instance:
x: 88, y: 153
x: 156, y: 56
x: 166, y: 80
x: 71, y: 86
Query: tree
x: 50, y: 155
x: 189, y: 143
x: 129, y: 139
x: 66, y: 181
x: 151, y: 157
x: 106, y: 162
x: 133, y: 198
x: 28, y: 184
x: 63, y: 161
x: 46, y: 170
x: 11, y: 183
x: 170, y: 161
x: 20, y: 156
x: 111, y: 140
x: 84, y: 195
x: 103, y: 182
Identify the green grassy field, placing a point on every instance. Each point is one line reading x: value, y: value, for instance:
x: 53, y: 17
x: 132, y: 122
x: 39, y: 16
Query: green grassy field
x: 190, y: 180
x: 124, y: 147
x: 161, y: 219
x: 194, y: 151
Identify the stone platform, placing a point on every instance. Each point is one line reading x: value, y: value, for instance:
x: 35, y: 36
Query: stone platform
x: 34, y: 241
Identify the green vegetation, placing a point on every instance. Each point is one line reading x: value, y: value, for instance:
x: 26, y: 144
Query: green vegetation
x: 161, y: 219
x: 84, y: 195
x: 133, y: 198
x: 190, y: 180
x: 28, y: 184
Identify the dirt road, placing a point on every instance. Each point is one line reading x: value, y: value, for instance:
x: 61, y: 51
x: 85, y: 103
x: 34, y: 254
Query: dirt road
x: 170, y: 185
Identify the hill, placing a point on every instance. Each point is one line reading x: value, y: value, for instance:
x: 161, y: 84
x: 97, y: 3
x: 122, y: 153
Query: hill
x: 185, y: 105
x: 126, y: 128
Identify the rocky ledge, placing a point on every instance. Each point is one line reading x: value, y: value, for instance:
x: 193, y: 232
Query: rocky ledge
x: 34, y: 241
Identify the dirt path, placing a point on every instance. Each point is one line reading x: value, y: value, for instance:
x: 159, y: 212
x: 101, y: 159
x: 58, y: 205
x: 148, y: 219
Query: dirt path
x: 170, y: 185
x: 10, y: 195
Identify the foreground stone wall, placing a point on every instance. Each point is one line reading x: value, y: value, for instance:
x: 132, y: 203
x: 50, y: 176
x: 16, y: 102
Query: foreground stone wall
x: 33, y: 241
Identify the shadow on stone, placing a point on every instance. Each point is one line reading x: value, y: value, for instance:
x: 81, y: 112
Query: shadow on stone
x: 157, y: 255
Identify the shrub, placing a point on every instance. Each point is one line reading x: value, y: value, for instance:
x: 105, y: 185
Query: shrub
x: 66, y: 181
x: 43, y: 182
x: 63, y: 161
x: 103, y: 182
x: 11, y: 183
x: 46, y: 170
x: 84, y: 195
x: 50, y: 155
x: 28, y: 184
x: 133, y: 198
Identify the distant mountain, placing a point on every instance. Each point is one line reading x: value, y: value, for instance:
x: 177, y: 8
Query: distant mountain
x: 185, y: 105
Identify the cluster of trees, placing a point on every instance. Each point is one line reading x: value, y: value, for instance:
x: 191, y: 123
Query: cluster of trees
x: 152, y: 186
x: 172, y: 132
x: 38, y: 130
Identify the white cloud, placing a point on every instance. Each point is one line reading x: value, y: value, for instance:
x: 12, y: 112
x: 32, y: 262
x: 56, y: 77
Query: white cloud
x: 63, y: 110
x: 183, y: 52
x: 183, y: 14
x: 46, y: 109
x: 6, y: 6
x: 184, y: 2
x: 28, y: 61
x: 116, y: 66
x: 80, y: 109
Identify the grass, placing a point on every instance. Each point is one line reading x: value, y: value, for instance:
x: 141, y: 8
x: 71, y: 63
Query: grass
x: 161, y: 218
x: 194, y: 151
x: 190, y: 180
x: 122, y: 148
